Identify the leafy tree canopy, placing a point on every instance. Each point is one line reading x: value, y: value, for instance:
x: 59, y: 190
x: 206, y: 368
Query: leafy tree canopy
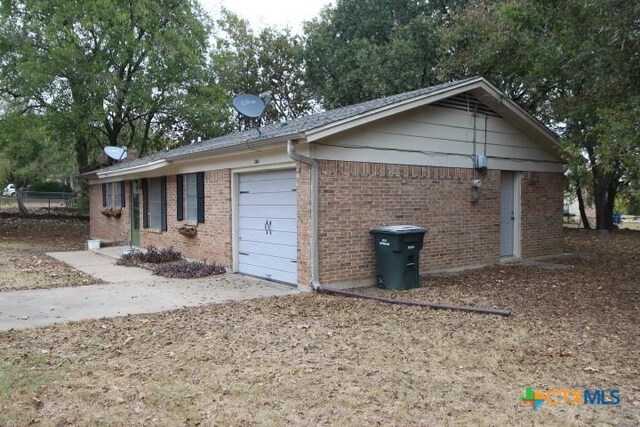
x: 364, y: 49
x: 109, y: 72
x: 272, y: 60
x: 575, y: 64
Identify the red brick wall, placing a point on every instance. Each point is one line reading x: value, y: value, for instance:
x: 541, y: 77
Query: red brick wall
x: 355, y: 197
x: 542, y: 208
x: 303, y: 192
x: 212, y: 243
x: 108, y: 228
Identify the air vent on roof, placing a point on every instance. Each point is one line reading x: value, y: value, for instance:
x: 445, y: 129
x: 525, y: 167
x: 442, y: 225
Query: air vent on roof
x: 466, y: 102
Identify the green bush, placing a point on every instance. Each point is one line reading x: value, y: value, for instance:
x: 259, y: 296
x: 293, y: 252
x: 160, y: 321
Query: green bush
x: 82, y: 204
x: 50, y: 187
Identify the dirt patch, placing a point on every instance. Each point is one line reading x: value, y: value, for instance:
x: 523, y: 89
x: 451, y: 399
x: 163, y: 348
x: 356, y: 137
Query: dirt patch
x: 23, y: 244
x: 313, y: 359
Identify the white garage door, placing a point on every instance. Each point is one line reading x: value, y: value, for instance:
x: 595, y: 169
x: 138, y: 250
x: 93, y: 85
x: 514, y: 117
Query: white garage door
x: 267, y: 235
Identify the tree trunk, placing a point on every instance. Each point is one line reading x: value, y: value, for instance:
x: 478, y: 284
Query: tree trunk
x: 82, y: 158
x: 604, y: 197
x: 20, y: 199
x: 583, y: 213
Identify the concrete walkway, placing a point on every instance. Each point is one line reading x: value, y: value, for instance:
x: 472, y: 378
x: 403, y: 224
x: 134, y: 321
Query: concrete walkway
x: 129, y: 290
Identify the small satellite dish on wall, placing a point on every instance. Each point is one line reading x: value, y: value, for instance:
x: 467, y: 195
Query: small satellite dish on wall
x: 249, y: 105
x: 116, y: 153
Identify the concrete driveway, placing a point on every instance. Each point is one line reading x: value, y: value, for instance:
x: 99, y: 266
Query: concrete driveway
x: 129, y: 290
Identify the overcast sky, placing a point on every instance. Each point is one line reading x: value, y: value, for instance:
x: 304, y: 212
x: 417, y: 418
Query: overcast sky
x: 261, y: 13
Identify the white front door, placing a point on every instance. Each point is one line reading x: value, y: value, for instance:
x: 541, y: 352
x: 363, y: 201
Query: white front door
x: 267, y: 225
x: 507, y: 214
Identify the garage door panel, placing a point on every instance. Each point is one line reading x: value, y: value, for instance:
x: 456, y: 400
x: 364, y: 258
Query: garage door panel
x: 269, y: 273
x: 270, y: 199
x: 261, y: 248
x: 266, y: 212
x: 262, y: 176
x: 268, y: 186
x: 267, y: 198
x: 277, y: 224
x: 276, y: 238
x: 276, y: 263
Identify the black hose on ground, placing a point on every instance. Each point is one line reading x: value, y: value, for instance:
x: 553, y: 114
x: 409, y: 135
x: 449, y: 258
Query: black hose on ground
x: 435, y: 306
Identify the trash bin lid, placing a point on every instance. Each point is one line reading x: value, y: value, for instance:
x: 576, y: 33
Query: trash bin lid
x: 399, y: 229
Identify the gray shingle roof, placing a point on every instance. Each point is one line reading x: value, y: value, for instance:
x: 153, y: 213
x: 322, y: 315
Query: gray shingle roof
x: 279, y: 130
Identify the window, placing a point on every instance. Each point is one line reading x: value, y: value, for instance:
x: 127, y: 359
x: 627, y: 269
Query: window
x: 113, y: 194
x: 190, y: 197
x: 155, y: 203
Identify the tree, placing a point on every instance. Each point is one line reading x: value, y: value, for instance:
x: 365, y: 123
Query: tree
x: 29, y: 152
x: 574, y: 64
x: 360, y: 50
x: 110, y: 72
x: 272, y: 60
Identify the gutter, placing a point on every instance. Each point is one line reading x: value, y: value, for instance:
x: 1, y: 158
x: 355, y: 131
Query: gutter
x: 133, y: 169
x: 236, y: 147
x: 212, y: 152
x: 315, y: 172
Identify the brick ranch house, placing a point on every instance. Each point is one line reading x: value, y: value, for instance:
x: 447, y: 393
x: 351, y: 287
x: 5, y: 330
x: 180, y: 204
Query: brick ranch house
x: 295, y: 201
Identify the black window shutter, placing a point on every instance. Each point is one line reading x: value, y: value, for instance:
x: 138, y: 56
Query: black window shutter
x: 200, y: 193
x: 163, y: 198
x: 122, y: 195
x: 104, y: 195
x: 180, y: 197
x: 145, y: 203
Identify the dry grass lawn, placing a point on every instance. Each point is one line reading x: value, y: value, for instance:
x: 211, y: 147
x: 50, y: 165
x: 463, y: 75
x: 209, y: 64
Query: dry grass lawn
x: 23, y: 244
x: 314, y: 359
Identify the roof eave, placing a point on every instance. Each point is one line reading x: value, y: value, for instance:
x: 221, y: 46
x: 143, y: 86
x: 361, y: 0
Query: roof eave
x: 161, y: 163
x: 239, y: 147
x: 145, y: 167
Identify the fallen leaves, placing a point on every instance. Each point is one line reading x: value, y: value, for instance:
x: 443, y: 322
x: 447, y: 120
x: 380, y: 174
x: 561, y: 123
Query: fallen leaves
x: 23, y: 246
x: 314, y: 359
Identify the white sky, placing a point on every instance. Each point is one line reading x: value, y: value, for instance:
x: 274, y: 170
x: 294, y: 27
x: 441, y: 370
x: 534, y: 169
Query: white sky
x: 261, y: 13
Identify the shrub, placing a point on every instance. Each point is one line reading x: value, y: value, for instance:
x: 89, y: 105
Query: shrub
x: 50, y: 187
x: 188, y: 270
x: 152, y: 256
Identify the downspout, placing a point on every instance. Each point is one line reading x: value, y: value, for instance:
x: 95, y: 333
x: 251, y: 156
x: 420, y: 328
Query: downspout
x: 315, y: 173
x: 315, y: 283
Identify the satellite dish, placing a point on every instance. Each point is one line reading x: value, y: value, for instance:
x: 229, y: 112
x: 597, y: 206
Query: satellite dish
x: 249, y: 105
x: 116, y: 153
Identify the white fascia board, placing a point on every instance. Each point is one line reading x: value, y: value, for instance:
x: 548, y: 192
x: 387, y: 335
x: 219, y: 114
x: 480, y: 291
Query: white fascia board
x: 139, y: 170
x: 250, y: 146
x: 146, y: 167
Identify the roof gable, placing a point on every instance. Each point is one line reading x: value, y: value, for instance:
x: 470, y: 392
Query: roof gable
x: 321, y: 125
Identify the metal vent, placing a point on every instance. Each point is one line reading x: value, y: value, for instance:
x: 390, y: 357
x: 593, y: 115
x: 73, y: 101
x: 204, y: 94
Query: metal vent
x: 466, y: 102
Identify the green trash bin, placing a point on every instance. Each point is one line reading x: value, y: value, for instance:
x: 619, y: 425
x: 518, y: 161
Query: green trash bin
x: 398, y: 256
